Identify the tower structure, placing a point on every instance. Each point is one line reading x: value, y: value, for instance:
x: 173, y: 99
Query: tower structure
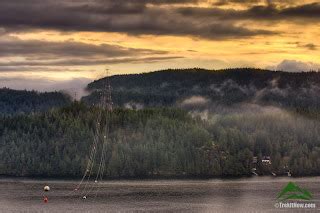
x: 108, y: 104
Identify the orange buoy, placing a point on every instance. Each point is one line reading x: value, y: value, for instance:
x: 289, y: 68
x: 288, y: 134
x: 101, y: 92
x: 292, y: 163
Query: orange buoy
x: 45, y: 199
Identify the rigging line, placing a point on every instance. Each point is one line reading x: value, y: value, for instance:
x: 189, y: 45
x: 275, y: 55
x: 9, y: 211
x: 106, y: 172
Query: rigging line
x: 105, y: 101
x: 92, y: 150
x: 90, y: 188
x: 89, y: 176
x: 90, y: 160
x: 96, y: 139
x: 89, y: 164
x: 101, y: 158
x: 101, y: 176
x: 106, y: 140
x: 102, y: 163
x: 96, y: 133
x: 104, y: 157
x: 100, y: 171
x: 109, y: 107
x: 94, y: 159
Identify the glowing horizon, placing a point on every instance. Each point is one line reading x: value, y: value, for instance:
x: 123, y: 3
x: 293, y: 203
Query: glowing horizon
x: 65, y: 40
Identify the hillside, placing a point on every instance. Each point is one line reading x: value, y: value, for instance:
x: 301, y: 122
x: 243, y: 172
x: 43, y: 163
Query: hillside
x: 159, y: 143
x: 21, y: 101
x: 173, y: 123
x: 194, y: 88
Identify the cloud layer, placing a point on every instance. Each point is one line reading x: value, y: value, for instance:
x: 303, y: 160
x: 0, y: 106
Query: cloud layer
x: 296, y: 66
x: 141, y: 17
x: 155, y: 31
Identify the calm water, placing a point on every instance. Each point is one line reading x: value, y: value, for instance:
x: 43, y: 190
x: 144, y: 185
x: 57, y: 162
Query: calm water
x: 242, y: 195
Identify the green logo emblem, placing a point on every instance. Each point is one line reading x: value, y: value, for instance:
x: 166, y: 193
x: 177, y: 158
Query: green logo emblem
x: 294, y: 192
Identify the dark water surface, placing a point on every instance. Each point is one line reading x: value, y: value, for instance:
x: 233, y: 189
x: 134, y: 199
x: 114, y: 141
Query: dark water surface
x: 258, y: 194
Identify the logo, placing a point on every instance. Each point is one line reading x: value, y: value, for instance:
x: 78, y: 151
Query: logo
x: 294, y: 192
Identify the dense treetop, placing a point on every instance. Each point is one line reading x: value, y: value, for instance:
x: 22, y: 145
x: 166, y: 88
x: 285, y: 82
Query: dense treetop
x: 159, y: 142
x: 172, y: 87
x: 181, y: 123
x: 15, y: 101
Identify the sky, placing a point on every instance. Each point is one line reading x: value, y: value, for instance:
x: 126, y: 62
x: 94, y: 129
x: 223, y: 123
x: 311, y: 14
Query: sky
x: 64, y: 44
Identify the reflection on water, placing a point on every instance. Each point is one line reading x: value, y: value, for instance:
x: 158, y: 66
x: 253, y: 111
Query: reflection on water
x: 256, y: 194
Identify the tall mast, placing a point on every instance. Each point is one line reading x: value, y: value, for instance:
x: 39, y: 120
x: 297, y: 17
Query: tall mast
x: 108, y: 104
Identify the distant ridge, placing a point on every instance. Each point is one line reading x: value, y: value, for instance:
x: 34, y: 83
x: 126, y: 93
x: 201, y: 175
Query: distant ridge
x: 171, y: 87
x: 22, y: 101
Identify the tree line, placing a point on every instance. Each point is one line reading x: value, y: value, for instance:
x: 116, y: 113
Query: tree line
x: 294, y: 91
x: 158, y: 142
x: 21, y: 101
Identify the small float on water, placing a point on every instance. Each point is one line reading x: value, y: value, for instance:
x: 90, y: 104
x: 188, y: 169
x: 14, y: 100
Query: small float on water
x: 45, y: 198
x: 46, y: 188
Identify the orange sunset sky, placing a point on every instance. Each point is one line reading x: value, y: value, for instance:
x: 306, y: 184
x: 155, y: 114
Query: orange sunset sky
x: 44, y: 43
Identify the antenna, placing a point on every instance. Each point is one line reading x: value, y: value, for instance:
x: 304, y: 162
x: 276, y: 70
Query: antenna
x: 107, y: 90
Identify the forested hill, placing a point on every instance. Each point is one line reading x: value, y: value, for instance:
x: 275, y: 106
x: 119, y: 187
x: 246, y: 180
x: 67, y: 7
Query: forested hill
x: 198, y: 87
x: 22, y: 101
x: 159, y: 142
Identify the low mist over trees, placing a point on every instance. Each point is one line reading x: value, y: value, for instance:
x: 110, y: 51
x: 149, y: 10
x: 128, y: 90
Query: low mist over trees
x: 173, y: 123
x: 159, y: 142
x: 298, y: 91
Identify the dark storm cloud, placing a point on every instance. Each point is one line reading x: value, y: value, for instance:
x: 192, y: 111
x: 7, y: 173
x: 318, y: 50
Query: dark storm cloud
x: 225, y: 2
x: 119, y: 6
x: 107, y: 16
x: 7, y: 69
x: 17, y: 47
x: 300, y: 13
x: 255, y: 2
x: 41, y: 54
x: 311, y: 46
x: 28, y: 65
x: 307, y: 11
x: 122, y: 6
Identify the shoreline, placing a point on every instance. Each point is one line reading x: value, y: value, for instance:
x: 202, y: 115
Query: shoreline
x: 172, y: 178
